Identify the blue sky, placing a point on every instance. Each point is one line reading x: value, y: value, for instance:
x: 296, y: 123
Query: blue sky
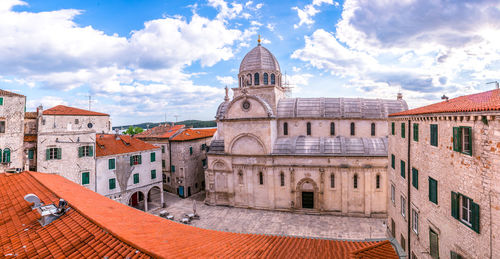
x: 144, y: 60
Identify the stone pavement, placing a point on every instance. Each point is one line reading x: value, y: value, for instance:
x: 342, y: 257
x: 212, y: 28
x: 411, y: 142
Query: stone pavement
x: 273, y: 222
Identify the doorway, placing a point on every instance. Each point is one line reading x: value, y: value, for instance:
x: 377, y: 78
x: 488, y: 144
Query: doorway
x: 308, y: 200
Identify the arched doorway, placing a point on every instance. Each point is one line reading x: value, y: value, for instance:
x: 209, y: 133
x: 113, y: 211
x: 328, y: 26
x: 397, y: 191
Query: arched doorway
x: 154, y: 198
x: 307, y: 194
x: 137, y: 201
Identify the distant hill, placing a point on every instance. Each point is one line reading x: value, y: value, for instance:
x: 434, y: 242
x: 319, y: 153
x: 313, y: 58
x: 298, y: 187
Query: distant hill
x: 188, y: 123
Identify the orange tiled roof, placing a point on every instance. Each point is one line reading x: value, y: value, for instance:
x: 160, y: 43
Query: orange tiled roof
x: 66, y: 110
x: 107, y: 144
x: 7, y: 93
x: 30, y: 115
x: 190, y: 134
x: 161, y: 131
x: 30, y: 138
x: 485, y: 101
x: 77, y: 233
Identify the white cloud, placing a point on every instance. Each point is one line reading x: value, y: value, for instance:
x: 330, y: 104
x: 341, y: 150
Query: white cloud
x: 255, y: 23
x: 226, y: 12
x: 309, y: 11
x: 270, y: 26
x: 226, y: 80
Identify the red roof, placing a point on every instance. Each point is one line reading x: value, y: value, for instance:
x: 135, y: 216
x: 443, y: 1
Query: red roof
x: 485, y: 101
x: 7, y: 93
x: 66, y: 110
x: 190, y: 134
x: 161, y: 131
x: 97, y: 226
x: 107, y: 144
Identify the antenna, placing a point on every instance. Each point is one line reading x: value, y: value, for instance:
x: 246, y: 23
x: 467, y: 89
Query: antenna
x: 288, y: 87
x: 90, y: 102
x: 176, y: 116
x: 494, y: 82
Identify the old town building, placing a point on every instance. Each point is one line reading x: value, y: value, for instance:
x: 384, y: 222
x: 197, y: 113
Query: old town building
x: 444, y: 177
x: 12, y: 108
x: 326, y: 155
x: 30, y: 136
x: 183, y: 156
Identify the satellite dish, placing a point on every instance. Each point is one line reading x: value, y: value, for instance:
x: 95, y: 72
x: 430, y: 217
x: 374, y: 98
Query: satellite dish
x: 31, y: 198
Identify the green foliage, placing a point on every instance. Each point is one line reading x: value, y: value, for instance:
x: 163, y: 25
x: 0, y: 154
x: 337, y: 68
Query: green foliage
x: 188, y: 123
x: 133, y: 130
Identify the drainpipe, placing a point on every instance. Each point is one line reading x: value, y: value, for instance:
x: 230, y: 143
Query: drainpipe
x: 170, y: 160
x: 409, y: 190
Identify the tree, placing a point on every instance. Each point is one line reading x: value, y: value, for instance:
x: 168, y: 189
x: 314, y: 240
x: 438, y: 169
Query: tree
x: 133, y: 130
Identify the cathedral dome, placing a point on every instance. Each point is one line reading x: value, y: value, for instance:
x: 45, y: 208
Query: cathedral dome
x: 259, y: 58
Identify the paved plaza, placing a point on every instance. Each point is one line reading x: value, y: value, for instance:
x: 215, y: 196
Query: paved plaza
x: 272, y: 222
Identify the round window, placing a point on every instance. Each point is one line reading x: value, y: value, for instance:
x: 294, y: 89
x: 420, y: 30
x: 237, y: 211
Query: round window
x: 246, y: 105
x: 90, y: 125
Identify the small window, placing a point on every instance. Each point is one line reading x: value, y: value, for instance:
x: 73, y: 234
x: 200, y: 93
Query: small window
x: 403, y: 169
x: 31, y: 154
x: 190, y: 150
x: 272, y: 79
x: 153, y: 156
x: 249, y: 76
x: 256, y: 79
x: 136, y: 178
x: 332, y: 128
x: 2, y: 126
x: 373, y: 129
x: 393, y: 194
x: 85, y: 178
x: 112, y: 183
x: 415, y: 132
x: 163, y: 164
x: 403, y: 242
x: 393, y: 161
x: 462, y: 140
x: 393, y: 129
x: 203, y: 162
x: 403, y: 130
x: 203, y: 147
x: 53, y: 153
x: 434, y: 134
x: 168, y: 179
x: 172, y: 168
x: 353, y: 129
x: 332, y: 180
x: 153, y: 174
x: 466, y: 210
x: 454, y: 255
x: 111, y: 163
x: 266, y: 79
x: 308, y: 129
x: 377, y: 181
x: 261, y: 178
x: 1, y: 100
x: 434, y: 244
x: 163, y: 149
x: 285, y: 128
x: 164, y: 178
x: 355, y: 181
x: 136, y: 160
x: 77, y: 121
x: 433, y: 190
x: 403, y: 207
x: 282, y: 179
x: 414, y: 221
x: 414, y: 177
x: 86, y: 151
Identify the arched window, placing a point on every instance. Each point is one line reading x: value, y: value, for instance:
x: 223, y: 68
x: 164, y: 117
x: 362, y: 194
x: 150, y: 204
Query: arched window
x: 355, y: 181
x: 308, y: 129
x: 249, y: 79
x: 240, y: 82
x: 256, y: 79
x: 6, y: 155
x: 273, y: 79
x: 353, y: 129
x: 285, y: 128
x: 377, y: 181
x: 240, y: 177
x: 265, y: 79
x: 332, y: 128
x: 282, y: 179
x: 332, y: 181
x: 261, y: 178
x: 373, y: 129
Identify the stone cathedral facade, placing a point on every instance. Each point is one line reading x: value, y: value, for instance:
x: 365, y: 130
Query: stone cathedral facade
x: 320, y: 155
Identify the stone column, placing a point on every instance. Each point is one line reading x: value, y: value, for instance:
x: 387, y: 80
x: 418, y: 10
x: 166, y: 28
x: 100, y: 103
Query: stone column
x: 292, y: 189
x: 368, y: 194
x: 271, y: 186
x: 162, y: 201
x: 344, y: 174
x: 321, y: 199
x: 250, y: 186
x: 146, y: 202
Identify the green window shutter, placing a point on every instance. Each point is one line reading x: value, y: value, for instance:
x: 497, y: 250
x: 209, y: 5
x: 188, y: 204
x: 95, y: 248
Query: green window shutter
x: 111, y: 163
x: 403, y: 131
x: 434, y: 135
x: 163, y: 163
x: 163, y: 149
x: 131, y: 160
x: 172, y: 168
x: 153, y: 156
x: 475, y: 217
x: 91, y: 151
x: 415, y: 131
x: 1, y: 100
x: 393, y: 128
x: 433, y: 244
x: 112, y: 183
x: 136, y: 178
x: 433, y: 190
x: 85, y: 178
x: 414, y: 177
x: 455, y: 138
x: 153, y: 174
x: 140, y: 159
x: 59, y: 153
x: 393, y: 161
x: 6, y: 154
x: 454, y: 205
x: 403, y: 171
x: 80, y: 151
x: 31, y: 154
x: 190, y: 150
x: 47, y: 154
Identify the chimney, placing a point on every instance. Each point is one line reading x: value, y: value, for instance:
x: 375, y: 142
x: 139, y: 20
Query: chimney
x: 49, y: 212
x: 496, y: 84
x: 117, y: 134
x: 39, y: 110
x: 400, y: 96
x: 226, y: 98
x: 444, y: 97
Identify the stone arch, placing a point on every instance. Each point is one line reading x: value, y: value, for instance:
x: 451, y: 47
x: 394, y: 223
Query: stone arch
x: 136, y: 200
x: 247, y: 144
x: 266, y: 107
x: 306, y: 185
x: 219, y: 165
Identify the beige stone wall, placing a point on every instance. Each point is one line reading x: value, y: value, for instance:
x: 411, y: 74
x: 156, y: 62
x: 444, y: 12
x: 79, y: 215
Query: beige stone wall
x: 475, y: 176
x: 321, y: 127
x: 12, y: 112
x: 57, y: 123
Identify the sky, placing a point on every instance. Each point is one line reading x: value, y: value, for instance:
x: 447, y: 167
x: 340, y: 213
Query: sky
x: 147, y: 61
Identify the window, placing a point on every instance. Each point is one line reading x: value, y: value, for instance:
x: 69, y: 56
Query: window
x: 403, y: 130
x: 353, y: 129
x: 77, y: 121
x: 403, y: 242
x: 31, y: 154
x: 153, y: 156
x: 249, y: 79
x: 272, y: 79
x: 393, y: 161
x: 462, y: 140
x: 203, y: 147
x: 355, y: 181
x: 261, y: 178
x: 403, y: 168
x: 172, y: 168
x: 111, y: 163
x: 204, y: 162
x: 454, y: 255
x: 153, y: 174
x: 52, y: 153
x: 434, y: 244
x: 393, y: 194
x: 285, y: 128
x: 414, y: 178
x: 6, y: 155
x: 414, y: 221
x: 433, y: 188
x: 466, y: 210
x: 136, y: 178
x: 393, y: 130
x: 190, y: 150
x: 373, y: 129
x: 112, y: 183
x: 163, y: 164
x: 1, y: 100
x: 163, y: 149
x: 256, y: 79
x: 85, y: 178
x: 2, y: 126
x: 393, y: 228
x: 434, y: 135
x: 332, y: 128
x: 266, y: 79
x: 332, y: 180
x: 164, y: 178
x: 403, y: 207
x: 377, y: 181
x: 282, y: 179
x: 136, y: 160
x: 308, y: 129
x: 415, y: 132
x: 240, y: 177
x: 86, y: 151
x: 168, y: 179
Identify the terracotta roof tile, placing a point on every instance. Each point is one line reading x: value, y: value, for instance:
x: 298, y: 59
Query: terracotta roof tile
x: 107, y: 144
x: 190, y: 134
x: 161, y: 131
x: 7, y: 93
x: 30, y: 138
x: 485, y: 101
x: 66, y: 110
x: 380, y: 250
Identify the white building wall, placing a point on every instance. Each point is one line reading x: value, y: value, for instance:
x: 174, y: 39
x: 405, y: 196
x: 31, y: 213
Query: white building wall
x: 12, y: 112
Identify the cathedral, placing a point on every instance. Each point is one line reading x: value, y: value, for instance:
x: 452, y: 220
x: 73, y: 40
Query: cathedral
x: 311, y: 155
